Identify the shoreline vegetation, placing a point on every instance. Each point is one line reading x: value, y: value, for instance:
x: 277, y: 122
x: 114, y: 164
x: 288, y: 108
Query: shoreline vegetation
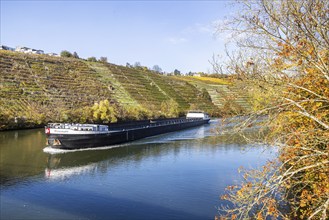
x: 282, y: 62
x: 37, y: 89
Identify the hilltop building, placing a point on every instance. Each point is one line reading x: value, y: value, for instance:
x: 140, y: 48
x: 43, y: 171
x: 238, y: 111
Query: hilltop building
x: 52, y: 54
x: 28, y: 50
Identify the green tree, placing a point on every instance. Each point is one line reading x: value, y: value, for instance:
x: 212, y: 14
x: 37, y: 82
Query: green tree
x: 92, y: 59
x: 205, y: 94
x: 177, y: 72
x: 66, y: 53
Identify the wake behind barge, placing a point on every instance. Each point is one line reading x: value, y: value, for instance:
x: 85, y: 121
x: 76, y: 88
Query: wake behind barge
x: 76, y: 136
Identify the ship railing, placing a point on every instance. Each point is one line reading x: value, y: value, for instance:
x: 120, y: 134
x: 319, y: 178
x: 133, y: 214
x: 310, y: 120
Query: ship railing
x: 151, y: 124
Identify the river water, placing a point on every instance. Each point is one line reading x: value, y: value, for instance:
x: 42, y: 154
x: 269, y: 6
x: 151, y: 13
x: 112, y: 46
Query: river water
x: 178, y: 175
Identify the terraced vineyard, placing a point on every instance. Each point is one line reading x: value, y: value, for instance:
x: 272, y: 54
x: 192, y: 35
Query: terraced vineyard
x: 34, y: 86
x: 150, y: 89
x: 220, y: 91
x: 36, y: 89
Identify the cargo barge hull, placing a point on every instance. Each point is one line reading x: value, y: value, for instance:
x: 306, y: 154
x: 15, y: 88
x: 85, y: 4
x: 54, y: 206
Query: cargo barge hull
x: 118, y: 134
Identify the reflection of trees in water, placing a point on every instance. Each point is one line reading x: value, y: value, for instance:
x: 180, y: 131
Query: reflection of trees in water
x: 21, y: 155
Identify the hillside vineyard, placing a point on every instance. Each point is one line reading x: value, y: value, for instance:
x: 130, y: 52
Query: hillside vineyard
x: 36, y: 89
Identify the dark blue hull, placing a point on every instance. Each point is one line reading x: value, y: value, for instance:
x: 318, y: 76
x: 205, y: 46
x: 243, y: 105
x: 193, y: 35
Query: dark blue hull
x: 121, y: 134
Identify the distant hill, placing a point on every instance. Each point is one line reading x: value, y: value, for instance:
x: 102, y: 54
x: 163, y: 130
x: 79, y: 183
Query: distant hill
x: 36, y: 89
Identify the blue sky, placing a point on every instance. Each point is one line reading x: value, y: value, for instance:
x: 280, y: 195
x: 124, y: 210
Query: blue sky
x: 171, y: 34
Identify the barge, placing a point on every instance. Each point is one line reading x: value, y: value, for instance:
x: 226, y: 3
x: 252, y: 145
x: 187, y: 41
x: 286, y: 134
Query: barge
x: 77, y: 136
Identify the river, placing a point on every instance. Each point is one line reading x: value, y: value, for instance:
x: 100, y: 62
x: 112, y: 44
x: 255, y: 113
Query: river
x: 178, y: 175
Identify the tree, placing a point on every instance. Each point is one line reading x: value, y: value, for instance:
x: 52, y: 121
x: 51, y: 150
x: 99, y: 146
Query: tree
x: 157, y: 69
x: 177, y: 72
x: 133, y: 112
x: 103, y: 59
x: 104, y: 112
x: 92, y: 59
x: 66, y: 53
x: 137, y: 64
x: 205, y: 94
x: 217, y: 66
x: 288, y: 79
x: 170, y: 108
x: 75, y: 55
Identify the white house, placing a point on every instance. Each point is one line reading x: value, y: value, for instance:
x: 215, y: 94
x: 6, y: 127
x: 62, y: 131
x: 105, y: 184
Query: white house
x: 23, y: 49
x: 53, y: 54
x: 28, y: 50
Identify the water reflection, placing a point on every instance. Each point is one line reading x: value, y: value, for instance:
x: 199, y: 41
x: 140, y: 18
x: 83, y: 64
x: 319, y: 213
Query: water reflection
x: 63, y: 173
x: 64, y: 165
x: 173, y: 176
x: 22, y: 153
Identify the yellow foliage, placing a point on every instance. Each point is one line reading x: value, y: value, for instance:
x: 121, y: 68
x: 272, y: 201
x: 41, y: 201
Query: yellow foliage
x: 212, y: 80
x: 104, y: 112
x: 169, y: 108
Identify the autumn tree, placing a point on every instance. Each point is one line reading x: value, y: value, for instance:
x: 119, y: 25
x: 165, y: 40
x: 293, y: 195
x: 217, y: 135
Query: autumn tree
x: 104, y: 112
x: 169, y: 108
x: 133, y: 112
x: 282, y: 62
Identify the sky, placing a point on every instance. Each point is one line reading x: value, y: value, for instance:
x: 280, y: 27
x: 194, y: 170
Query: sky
x: 171, y: 34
